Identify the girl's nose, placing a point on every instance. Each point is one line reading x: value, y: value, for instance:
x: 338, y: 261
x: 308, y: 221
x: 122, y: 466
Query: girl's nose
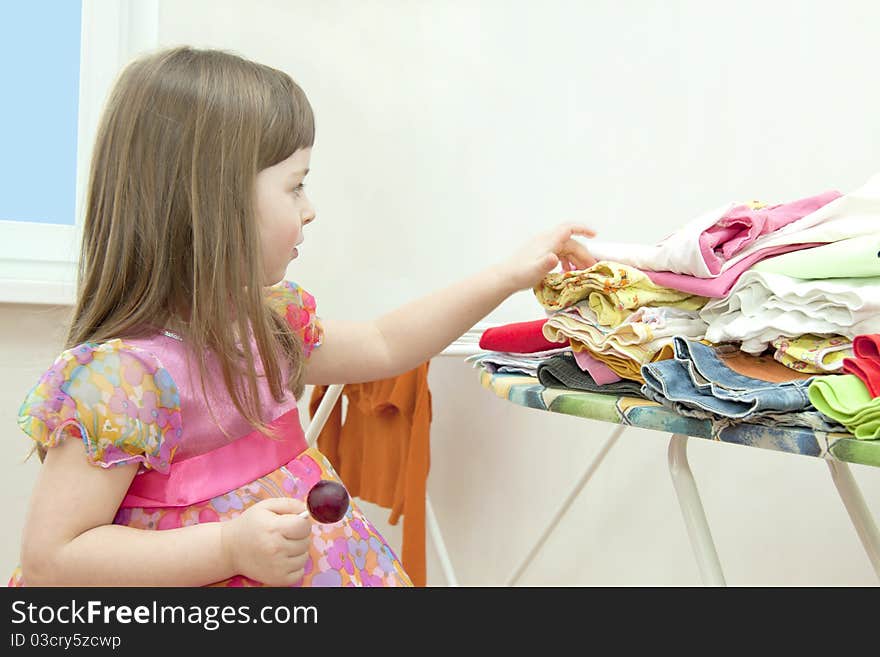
x: 308, y: 215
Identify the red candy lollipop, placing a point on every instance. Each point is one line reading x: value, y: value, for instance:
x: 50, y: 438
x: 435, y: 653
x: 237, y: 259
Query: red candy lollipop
x: 327, y: 502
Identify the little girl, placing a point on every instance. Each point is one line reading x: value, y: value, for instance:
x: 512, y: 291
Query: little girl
x: 173, y: 454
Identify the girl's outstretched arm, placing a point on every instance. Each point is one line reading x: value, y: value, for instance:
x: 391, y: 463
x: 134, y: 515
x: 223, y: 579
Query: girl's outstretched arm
x: 353, y: 352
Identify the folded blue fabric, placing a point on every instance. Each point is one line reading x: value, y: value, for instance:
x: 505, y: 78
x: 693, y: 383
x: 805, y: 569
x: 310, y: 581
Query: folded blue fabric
x: 697, y: 378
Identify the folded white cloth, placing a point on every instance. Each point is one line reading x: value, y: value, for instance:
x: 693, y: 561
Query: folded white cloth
x: 499, y: 361
x: 763, y: 306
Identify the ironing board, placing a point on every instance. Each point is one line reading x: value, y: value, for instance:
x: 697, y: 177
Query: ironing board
x: 836, y: 449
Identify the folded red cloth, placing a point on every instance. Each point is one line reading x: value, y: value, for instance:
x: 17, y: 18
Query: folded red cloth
x: 866, y: 364
x: 518, y: 338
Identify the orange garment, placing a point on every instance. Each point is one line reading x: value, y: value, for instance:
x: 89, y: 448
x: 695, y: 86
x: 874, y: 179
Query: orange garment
x: 764, y: 368
x: 382, y: 452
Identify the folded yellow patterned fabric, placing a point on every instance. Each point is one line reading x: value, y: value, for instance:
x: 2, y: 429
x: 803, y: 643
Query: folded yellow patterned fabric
x: 613, y: 291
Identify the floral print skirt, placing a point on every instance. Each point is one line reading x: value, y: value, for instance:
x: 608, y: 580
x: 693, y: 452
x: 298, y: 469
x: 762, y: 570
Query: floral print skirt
x: 350, y: 552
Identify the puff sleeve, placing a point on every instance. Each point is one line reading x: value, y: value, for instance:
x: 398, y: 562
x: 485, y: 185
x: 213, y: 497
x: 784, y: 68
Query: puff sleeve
x: 299, y: 309
x: 117, y: 399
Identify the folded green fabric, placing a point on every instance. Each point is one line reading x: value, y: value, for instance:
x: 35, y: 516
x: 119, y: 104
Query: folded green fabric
x: 855, y: 257
x: 846, y: 399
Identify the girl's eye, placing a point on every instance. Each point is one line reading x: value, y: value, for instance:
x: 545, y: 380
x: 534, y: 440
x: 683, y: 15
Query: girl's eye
x: 298, y: 189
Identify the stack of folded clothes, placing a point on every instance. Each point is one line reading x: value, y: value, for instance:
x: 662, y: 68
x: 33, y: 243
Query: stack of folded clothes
x: 750, y: 312
x: 644, y: 336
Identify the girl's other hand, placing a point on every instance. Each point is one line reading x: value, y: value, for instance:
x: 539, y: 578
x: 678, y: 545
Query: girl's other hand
x: 269, y: 543
x: 542, y: 253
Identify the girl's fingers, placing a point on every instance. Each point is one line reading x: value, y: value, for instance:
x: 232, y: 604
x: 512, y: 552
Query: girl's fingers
x: 579, y: 254
x: 579, y: 229
x: 294, y: 529
x: 297, y: 562
x: 588, y: 262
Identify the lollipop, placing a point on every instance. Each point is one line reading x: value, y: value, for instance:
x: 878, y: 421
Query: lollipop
x: 327, y: 502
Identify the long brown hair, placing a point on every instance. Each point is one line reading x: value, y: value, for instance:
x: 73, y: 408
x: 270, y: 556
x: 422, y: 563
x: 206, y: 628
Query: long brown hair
x: 169, y: 234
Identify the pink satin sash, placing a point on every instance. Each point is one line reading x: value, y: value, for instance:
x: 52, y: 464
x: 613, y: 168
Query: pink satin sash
x: 221, y: 470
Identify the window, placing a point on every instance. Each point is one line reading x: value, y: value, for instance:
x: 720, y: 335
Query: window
x: 58, y: 60
x: 38, y: 127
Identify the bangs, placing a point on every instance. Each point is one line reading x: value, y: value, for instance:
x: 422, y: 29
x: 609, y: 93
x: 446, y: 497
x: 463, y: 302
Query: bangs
x: 290, y: 123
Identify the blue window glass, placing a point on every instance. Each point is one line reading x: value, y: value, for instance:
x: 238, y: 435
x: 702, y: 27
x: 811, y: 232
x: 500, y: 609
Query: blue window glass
x: 39, y: 70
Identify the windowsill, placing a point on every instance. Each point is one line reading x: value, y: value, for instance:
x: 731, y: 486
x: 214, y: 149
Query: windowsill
x: 47, y: 293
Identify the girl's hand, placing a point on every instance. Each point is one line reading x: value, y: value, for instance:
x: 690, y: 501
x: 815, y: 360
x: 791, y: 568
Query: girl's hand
x: 269, y: 543
x: 542, y: 253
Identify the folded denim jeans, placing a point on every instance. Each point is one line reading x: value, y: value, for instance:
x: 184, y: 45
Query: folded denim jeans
x: 810, y: 419
x: 562, y: 371
x: 696, y: 377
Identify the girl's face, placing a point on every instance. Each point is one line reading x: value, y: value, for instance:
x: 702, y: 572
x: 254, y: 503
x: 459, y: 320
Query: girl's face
x: 282, y: 211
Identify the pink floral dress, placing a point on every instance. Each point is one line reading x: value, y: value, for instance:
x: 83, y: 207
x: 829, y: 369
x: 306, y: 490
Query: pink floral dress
x: 135, y: 400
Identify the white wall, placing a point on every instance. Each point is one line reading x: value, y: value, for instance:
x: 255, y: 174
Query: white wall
x: 450, y: 131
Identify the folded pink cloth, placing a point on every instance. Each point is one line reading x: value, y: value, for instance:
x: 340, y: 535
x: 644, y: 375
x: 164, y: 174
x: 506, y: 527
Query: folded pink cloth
x: 741, y: 226
x: 721, y: 285
x: 600, y: 372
